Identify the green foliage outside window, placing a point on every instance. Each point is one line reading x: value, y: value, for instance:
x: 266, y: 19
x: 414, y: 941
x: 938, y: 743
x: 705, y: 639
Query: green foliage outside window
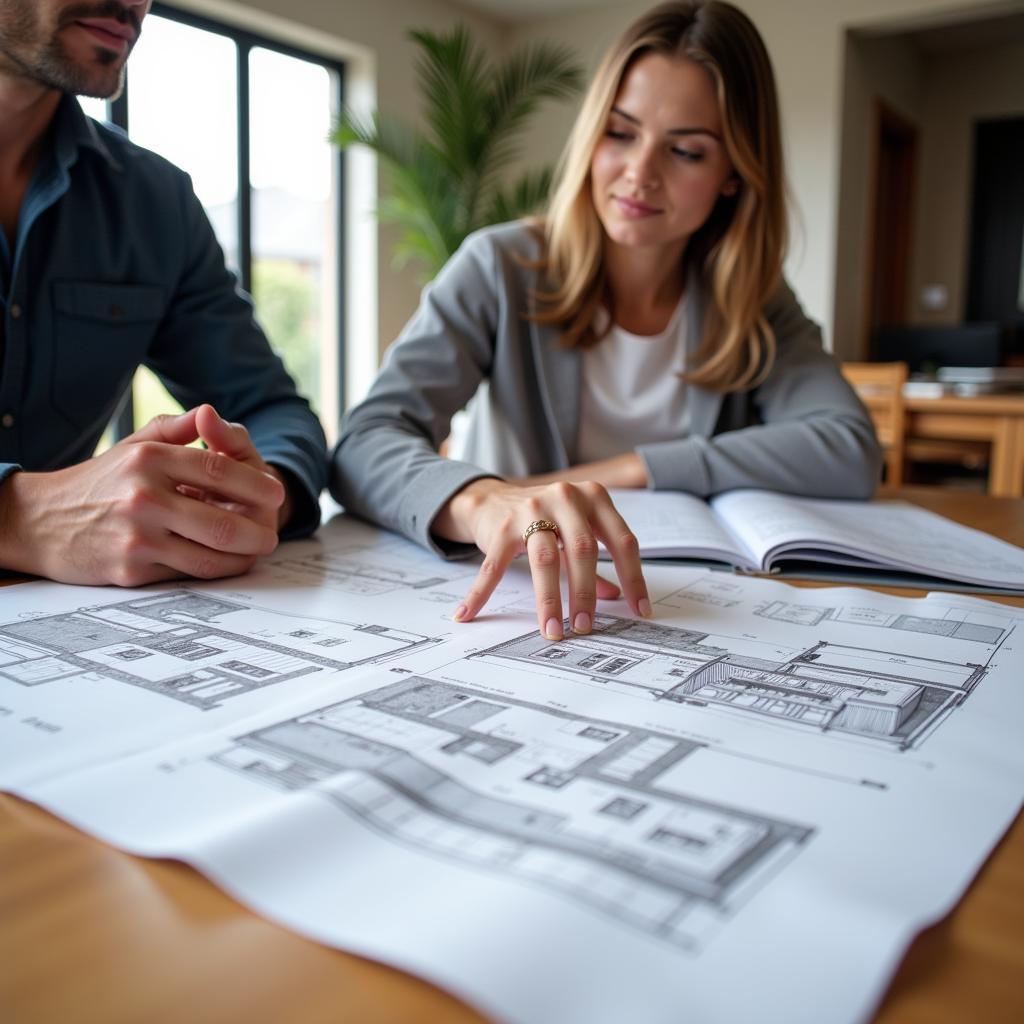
x: 286, y: 303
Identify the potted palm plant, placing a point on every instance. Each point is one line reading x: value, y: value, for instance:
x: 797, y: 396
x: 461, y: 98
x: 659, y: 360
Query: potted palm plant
x: 446, y: 181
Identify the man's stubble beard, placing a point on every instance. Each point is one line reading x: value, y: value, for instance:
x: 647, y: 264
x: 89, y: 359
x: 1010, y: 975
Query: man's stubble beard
x: 26, y: 52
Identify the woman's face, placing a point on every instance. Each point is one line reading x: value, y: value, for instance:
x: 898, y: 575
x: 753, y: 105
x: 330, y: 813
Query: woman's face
x: 661, y: 164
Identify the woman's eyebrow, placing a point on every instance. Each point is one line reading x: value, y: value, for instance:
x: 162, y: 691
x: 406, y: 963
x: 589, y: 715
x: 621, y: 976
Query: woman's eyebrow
x: 672, y: 131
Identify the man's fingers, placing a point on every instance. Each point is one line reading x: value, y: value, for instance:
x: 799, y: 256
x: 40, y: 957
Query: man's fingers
x: 219, y: 529
x: 230, y: 438
x: 187, y: 558
x: 177, y: 430
x: 218, y: 476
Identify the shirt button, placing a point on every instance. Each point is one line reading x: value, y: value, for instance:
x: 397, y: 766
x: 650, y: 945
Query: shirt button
x: 7, y: 419
x: 15, y: 311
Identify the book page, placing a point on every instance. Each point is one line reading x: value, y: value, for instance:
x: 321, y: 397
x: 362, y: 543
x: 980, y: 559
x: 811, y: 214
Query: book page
x: 670, y: 524
x: 874, y: 534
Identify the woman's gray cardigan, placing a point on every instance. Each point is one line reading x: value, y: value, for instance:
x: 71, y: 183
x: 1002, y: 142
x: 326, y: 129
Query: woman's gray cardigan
x: 802, y: 431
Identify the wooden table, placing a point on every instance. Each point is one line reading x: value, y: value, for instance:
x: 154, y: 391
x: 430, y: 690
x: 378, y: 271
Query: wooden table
x: 997, y: 419
x: 91, y: 934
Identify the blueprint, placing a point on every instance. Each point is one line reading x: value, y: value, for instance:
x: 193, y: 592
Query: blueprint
x: 856, y: 691
x: 641, y: 851
x: 755, y: 776
x: 192, y: 647
x: 71, y: 672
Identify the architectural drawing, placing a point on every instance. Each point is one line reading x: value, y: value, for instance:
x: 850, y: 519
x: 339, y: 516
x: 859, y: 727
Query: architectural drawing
x: 870, y: 694
x: 958, y: 623
x: 368, y: 564
x: 580, y: 805
x: 951, y: 621
x: 354, y: 575
x: 197, y: 648
x: 718, y: 589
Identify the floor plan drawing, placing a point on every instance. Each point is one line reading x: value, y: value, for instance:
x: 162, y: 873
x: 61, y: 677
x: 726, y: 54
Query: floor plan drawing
x: 979, y: 627
x: 362, y: 576
x: 572, y: 803
x: 366, y: 563
x: 869, y: 694
x: 197, y: 648
x: 715, y: 589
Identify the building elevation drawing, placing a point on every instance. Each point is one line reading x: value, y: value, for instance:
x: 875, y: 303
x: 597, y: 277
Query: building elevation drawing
x: 863, y: 692
x: 196, y: 648
x: 577, y: 804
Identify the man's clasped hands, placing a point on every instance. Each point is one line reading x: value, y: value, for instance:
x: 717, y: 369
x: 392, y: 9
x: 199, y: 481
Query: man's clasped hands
x: 150, y: 508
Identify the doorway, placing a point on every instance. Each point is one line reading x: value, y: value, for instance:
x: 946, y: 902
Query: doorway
x: 892, y: 180
x: 995, y: 289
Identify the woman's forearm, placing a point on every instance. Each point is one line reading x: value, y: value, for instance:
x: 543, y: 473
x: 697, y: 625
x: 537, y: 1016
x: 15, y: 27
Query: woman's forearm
x: 625, y: 471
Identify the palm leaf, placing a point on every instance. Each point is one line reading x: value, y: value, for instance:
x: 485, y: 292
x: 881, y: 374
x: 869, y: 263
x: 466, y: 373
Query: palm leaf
x: 527, y: 77
x: 453, y: 76
x: 438, y: 182
x: 526, y: 197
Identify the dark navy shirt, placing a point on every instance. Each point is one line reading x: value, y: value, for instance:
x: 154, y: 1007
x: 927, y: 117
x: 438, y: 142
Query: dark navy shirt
x: 115, y: 265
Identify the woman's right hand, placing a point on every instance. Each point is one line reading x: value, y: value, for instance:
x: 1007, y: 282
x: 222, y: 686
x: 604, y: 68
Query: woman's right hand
x: 494, y: 515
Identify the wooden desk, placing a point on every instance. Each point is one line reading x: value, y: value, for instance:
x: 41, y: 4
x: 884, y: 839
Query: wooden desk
x: 90, y: 934
x: 998, y: 419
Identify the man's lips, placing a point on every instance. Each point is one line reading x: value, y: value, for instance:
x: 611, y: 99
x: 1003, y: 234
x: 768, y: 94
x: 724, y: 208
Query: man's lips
x: 635, y: 207
x: 115, y: 35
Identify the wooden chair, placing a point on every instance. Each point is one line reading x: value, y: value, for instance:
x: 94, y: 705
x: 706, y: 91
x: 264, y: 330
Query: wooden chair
x: 880, y: 387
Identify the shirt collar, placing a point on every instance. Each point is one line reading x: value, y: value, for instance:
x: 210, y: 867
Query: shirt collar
x: 73, y: 131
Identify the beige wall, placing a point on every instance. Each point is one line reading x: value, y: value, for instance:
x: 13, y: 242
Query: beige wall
x: 958, y: 88
x: 806, y: 39
x: 942, y: 94
x: 874, y: 69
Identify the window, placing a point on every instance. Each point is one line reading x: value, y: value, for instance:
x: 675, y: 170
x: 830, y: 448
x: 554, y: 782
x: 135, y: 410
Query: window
x: 249, y: 122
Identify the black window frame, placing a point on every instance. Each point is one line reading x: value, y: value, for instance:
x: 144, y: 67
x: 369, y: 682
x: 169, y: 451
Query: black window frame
x: 245, y: 41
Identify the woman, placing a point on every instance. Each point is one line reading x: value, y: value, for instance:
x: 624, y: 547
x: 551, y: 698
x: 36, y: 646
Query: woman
x: 639, y: 336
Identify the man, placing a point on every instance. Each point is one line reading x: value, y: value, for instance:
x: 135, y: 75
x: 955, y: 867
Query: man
x: 107, y: 261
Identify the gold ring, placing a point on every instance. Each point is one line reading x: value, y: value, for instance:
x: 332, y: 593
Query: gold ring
x: 537, y: 525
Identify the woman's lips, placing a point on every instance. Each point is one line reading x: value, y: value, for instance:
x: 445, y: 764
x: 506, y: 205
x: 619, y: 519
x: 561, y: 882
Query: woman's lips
x: 634, y: 208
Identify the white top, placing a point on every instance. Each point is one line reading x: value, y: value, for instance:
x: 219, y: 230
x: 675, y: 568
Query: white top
x: 632, y: 393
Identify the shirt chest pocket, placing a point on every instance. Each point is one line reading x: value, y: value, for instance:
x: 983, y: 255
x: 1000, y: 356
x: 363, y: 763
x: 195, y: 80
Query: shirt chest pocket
x: 101, y: 334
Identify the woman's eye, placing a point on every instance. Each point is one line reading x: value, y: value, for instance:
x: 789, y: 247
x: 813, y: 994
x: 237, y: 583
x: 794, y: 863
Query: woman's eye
x: 614, y: 133
x: 693, y: 155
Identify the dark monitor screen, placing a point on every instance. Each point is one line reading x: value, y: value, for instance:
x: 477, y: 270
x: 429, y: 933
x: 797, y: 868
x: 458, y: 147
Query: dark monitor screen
x: 927, y: 348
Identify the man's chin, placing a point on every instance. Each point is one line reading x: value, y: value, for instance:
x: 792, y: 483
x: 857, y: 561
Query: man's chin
x: 102, y: 83
x: 101, y: 91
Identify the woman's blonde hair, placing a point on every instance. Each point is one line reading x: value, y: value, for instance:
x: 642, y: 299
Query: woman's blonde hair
x: 739, y: 250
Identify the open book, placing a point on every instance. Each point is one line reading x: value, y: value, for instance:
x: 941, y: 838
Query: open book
x: 761, y: 531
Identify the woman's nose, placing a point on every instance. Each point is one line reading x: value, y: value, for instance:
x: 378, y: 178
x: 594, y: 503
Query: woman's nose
x: 641, y: 170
